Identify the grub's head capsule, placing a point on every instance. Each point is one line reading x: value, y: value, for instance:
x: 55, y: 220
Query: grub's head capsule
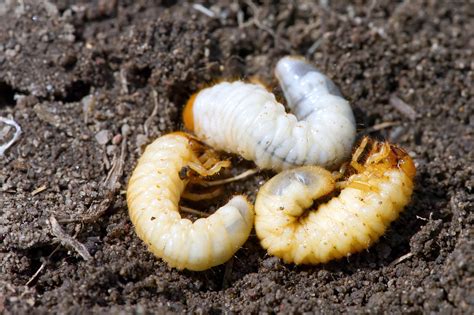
x: 296, y: 75
x: 404, y: 161
x: 188, y: 117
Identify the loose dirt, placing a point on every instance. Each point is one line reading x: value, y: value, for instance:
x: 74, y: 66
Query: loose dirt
x: 83, y: 78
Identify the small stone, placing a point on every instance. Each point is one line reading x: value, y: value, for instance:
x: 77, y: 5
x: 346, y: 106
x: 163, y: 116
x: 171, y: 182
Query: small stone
x: 117, y: 139
x: 125, y: 130
x: 111, y: 149
x: 10, y: 53
x: 141, y: 140
x: 103, y: 137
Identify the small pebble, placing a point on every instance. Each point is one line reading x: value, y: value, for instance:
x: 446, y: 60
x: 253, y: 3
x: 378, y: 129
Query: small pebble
x: 125, y: 130
x: 111, y: 149
x: 141, y: 140
x: 103, y: 137
x: 117, y: 139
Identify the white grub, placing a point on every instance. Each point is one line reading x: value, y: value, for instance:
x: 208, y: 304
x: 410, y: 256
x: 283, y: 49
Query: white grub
x: 153, y: 196
x: 246, y: 119
x: 4, y: 147
x: 290, y: 228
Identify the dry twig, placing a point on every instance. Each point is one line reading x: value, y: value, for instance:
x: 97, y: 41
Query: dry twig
x: 200, y: 8
x: 68, y: 240
x: 255, y: 19
x: 38, y: 190
x: 383, y: 125
x: 116, y: 170
x: 17, y: 134
x: 153, y: 113
x: 123, y: 81
x: 403, y: 107
x: 400, y: 259
x: 36, y: 274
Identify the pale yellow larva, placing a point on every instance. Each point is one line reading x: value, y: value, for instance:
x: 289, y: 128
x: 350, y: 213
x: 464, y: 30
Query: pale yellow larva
x: 352, y: 221
x: 246, y: 119
x: 153, y: 196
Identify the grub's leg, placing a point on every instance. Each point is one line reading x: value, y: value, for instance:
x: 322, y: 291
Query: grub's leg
x: 194, y: 211
x: 243, y: 175
x: 358, y: 152
x: 342, y: 184
x: 204, y: 172
x: 380, y: 155
x: 202, y: 196
x: 339, y: 174
x: 208, y: 158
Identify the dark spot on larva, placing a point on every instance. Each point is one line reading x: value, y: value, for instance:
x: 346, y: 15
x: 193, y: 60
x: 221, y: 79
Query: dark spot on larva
x: 357, y: 215
x: 363, y: 223
x: 282, y: 208
x: 403, y: 184
x: 334, y: 247
x: 152, y: 218
x: 380, y: 202
x: 184, y: 172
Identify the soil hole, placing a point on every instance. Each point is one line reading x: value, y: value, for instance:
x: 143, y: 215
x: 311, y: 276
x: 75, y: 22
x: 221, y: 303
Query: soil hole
x: 75, y: 92
x: 138, y: 77
x: 7, y: 94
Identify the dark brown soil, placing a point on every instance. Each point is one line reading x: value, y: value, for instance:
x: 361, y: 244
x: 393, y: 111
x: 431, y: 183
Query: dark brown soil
x: 55, y: 54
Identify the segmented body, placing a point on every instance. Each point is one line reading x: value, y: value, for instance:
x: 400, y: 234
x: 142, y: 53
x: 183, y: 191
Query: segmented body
x: 153, y: 196
x: 246, y: 119
x: 372, y: 198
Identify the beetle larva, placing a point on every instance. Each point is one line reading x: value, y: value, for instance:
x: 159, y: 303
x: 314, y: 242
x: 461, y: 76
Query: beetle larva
x: 153, y: 195
x: 371, y: 198
x: 246, y: 119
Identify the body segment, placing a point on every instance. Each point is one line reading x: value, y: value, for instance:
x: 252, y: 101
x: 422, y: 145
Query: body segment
x: 289, y: 227
x: 153, y: 196
x: 246, y: 119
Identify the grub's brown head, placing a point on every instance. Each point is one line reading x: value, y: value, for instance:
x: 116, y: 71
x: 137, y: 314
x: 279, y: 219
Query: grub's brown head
x: 386, y: 155
x: 404, y: 161
x: 188, y: 116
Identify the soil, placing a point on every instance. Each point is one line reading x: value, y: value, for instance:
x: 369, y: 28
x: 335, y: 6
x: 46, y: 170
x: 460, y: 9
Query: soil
x: 82, y: 79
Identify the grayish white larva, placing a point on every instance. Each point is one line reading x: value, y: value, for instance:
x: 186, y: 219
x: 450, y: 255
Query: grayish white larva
x: 371, y: 198
x: 153, y: 195
x: 246, y: 119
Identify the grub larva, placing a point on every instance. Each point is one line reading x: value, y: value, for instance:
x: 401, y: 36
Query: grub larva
x: 368, y: 201
x: 246, y: 119
x: 153, y: 195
